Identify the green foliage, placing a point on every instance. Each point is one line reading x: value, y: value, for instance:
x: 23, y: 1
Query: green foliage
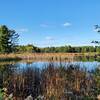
x: 1, y: 94
x: 27, y: 48
x: 63, y: 49
x: 88, y: 98
x: 69, y: 49
x: 8, y: 39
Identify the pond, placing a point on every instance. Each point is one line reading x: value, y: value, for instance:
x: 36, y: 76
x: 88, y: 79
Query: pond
x: 41, y: 78
x: 89, y: 66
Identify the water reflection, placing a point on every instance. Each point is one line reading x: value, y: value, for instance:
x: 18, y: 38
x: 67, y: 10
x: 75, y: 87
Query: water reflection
x: 40, y: 64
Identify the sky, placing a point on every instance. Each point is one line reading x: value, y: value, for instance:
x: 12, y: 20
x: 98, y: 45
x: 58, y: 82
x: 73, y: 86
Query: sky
x: 52, y: 22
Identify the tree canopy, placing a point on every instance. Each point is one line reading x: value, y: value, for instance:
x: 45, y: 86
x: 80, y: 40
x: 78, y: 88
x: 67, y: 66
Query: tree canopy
x: 8, y: 39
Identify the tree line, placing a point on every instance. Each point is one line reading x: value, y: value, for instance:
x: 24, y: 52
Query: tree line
x: 63, y: 49
x: 9, y: 44
x: 70, y: 49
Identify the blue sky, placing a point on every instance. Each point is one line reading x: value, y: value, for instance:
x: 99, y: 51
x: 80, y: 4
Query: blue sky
x: 52, y: 22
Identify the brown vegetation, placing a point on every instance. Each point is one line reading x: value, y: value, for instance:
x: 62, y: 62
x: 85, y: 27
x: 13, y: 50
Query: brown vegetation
x: 52, y: 82
x: 46, y: 56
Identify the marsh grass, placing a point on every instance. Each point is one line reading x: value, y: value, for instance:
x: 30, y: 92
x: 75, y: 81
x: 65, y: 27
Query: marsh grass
x: 9, y: 57
x: 50, y: 56
x: 53, y: 81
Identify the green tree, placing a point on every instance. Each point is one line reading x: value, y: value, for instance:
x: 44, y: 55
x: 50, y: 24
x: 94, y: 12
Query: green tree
x: 8, y: 39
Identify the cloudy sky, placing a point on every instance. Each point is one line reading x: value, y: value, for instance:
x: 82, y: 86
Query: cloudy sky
x: 52, y: 22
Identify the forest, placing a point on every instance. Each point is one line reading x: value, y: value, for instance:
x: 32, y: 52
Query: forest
x: 62, y: 49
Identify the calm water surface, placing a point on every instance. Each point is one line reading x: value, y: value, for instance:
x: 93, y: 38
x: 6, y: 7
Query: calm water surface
x: 41, y: 64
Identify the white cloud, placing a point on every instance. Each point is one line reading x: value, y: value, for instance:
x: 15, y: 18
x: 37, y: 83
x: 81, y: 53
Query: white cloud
x: 67, y: 24
x: 49, y: 38
x: 43, y: 25
x: 22, y: 30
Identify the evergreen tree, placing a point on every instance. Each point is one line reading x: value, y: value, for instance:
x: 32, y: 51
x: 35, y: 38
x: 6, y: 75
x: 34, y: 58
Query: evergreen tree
x: 8, y: 39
